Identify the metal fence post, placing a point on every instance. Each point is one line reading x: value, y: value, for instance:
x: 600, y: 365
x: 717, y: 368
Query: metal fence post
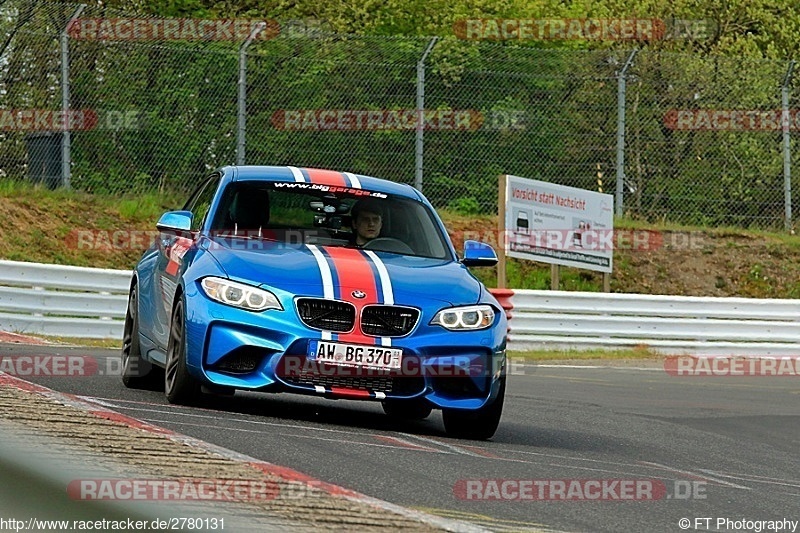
x: 419, y: 150
x: 787, y: 149
x: 241, y: 103
x: 66, y: 148
x: 621, y: 133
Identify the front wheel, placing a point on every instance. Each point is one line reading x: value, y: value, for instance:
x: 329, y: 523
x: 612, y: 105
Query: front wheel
x: 179, y: 386
x: 478, y: 424
x: 137, y: 373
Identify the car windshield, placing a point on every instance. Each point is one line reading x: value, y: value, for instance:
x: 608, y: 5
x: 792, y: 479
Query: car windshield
x: 310, y: 214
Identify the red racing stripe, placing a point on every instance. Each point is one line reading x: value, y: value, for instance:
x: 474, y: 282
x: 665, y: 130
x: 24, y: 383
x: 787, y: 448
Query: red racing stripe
x: 351, y: 393
x: 326, y: 177
x: 354, y: 272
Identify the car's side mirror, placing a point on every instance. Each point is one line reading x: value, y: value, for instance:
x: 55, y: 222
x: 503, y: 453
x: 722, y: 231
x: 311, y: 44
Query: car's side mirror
x: 478, y: 254
x: 177, y: 221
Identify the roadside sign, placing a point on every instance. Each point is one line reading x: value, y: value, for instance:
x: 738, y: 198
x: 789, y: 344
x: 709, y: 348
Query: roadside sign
x: 557, y: 224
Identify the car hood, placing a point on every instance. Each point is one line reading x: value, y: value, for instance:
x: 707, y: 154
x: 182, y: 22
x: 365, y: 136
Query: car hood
x: 301, y: 270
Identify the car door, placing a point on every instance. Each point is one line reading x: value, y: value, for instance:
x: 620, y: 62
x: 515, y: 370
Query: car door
x: 172, y: 249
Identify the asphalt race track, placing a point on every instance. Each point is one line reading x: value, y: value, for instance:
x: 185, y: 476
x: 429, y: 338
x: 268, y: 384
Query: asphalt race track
x: 721, y: 447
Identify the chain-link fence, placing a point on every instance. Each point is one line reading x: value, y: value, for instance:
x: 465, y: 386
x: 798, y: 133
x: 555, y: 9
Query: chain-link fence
x: 155, y: 104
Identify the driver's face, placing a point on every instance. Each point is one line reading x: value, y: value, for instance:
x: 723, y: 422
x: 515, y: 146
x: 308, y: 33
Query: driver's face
x: 367, y: 226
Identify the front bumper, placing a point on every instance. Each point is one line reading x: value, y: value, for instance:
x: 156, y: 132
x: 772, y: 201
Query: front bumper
x: 229, y: 347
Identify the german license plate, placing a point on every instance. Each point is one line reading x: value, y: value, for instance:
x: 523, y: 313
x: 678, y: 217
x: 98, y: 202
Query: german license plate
x: 355, y: 354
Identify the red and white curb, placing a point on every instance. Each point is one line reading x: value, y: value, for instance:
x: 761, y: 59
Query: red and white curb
x: 282, y: 472
x: 7, y: 336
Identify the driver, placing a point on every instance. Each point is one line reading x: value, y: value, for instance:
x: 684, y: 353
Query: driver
x: 367, y: 220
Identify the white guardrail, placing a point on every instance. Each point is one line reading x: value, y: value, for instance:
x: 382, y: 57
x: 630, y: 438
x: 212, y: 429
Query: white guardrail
x: 63, y: 301
x: 88, y: 302
x: 669, y: 324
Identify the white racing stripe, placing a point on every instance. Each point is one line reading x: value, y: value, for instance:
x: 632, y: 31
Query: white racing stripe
x: 383, y: 275
x: 324, y: 270
x: 354, y: 181
x: 386, y: 286
x: 327, y: 280
x: 298, y: 176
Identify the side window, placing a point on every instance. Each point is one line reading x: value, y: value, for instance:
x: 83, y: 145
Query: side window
x: 200, y: 202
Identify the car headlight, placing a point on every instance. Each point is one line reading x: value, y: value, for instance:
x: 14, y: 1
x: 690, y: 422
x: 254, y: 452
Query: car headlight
x: 240, y: 295
x: 465, y: 318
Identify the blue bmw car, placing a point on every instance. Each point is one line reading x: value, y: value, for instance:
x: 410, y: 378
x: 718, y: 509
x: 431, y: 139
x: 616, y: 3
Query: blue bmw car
x: 318, y: 282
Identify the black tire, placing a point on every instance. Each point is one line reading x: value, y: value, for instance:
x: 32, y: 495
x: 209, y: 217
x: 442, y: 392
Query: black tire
x: 479, y: 424
x: 408, y: 410
x: 179, y: 387
x: 136, y: 372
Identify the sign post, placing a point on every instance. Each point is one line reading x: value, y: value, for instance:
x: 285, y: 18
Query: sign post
x: 501, y: 217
